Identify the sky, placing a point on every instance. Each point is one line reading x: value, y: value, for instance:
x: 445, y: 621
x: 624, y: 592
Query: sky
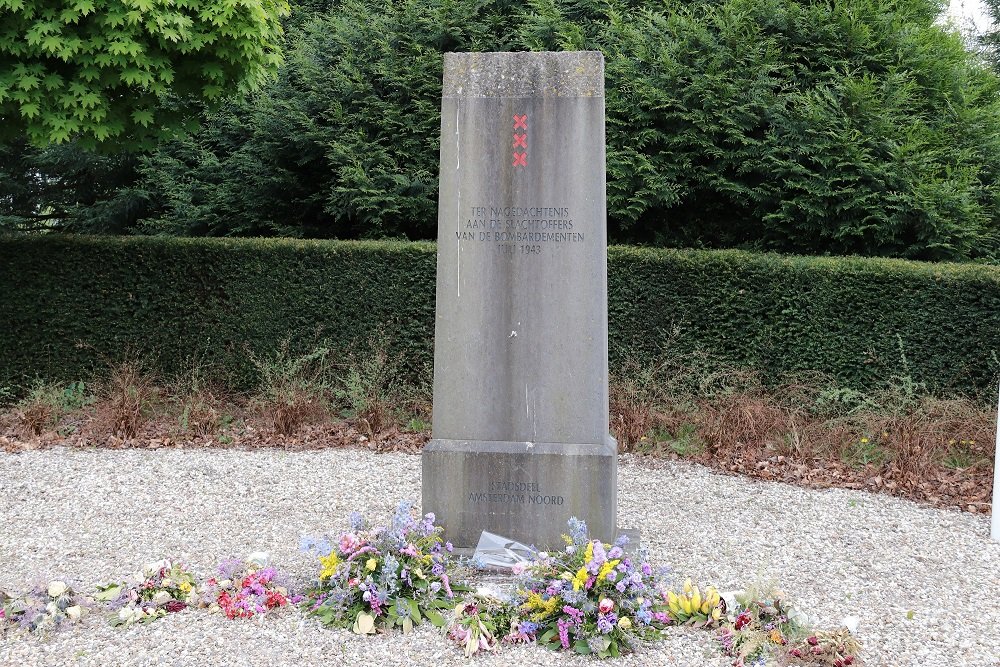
x: 971, y: 13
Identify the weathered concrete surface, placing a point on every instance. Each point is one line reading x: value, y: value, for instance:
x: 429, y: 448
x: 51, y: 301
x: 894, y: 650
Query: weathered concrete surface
x: 521, y: 334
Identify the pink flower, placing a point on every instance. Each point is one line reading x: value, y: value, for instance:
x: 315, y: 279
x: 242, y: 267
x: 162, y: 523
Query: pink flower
x: 606, y: 605
x: 349, y: 543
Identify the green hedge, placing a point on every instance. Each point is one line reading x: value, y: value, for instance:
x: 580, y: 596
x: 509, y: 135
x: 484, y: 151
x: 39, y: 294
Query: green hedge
x: 210, y: 300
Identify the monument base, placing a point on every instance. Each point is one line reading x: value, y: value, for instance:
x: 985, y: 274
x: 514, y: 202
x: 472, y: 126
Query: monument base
x: 521, y: 490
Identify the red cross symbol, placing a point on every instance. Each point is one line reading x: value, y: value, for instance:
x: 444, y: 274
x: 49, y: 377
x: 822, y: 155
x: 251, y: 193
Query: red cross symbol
x: 521, y: 122
x: 520, y: 140
x: 520, y: 159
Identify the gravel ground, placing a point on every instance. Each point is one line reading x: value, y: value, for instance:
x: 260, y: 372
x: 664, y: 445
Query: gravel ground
x: 924, y: 582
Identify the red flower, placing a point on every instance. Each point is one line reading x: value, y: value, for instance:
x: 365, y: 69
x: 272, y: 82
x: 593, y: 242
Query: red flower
x: 742, y: 620
x: 813, y: 641
x: 174, y: 606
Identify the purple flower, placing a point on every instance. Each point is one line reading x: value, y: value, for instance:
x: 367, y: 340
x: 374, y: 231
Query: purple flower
x: 574, y: 613
x: 606, y: 622
x: 563, y: 633
x: 647, y: 569
x: 616, y: 552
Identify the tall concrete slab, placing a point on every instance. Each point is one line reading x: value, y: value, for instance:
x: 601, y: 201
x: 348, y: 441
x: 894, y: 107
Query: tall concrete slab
x: 520, y: 432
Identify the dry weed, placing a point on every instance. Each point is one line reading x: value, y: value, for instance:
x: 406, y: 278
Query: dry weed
x: 293, y: 409
x: 125, y: 401
x: 36, y: 416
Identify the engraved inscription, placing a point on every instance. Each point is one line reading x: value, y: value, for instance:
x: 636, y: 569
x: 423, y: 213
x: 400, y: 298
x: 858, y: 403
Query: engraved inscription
x: 520, y: 230
x: 508, y: 492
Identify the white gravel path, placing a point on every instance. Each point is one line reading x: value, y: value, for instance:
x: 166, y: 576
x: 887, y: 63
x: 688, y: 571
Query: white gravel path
x: 91, y: 516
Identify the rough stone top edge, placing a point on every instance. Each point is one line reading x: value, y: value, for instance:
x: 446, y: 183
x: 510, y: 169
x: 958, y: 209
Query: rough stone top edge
x: 524, y: 74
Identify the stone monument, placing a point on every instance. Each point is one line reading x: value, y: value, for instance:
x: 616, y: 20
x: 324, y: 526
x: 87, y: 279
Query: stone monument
x: 520, y: 431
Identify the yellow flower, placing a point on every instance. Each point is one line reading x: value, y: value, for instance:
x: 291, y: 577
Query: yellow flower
x: 580, y: 580
x: 371, y: 564
x: 185, y: 587
x: 624, y: 623
x: 864, y: 440
x: 542, y: 608
x: 329, y: 564
x: 606, y: 569
x: 588, y: 555
x: 777, y: 637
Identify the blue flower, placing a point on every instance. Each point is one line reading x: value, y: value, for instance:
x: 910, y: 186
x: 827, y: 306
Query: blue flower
x: 577, y: 530
x: 527, y: 628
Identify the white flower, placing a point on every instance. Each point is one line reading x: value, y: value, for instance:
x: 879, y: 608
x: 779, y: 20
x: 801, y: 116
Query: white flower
x: 161, y: 598
x: 57, y: 588
x: 167, y: 583
x: 52, y: 608
x: 488, y: 591
x: 851, y: 623
x: 225, y: 583
x: 258, y: 559
x: 126, y: 613
x: 74, y: 613
x: 154, y: 567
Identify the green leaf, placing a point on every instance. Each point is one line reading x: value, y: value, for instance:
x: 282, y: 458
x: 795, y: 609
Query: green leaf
x: 435, y: 617
x: 414, y: 610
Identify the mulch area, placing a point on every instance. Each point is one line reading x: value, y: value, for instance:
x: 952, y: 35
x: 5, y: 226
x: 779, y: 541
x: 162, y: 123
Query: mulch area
x: 968, y: 489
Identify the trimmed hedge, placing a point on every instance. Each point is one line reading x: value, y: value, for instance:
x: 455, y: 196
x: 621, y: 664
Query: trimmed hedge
x: 211, y: 300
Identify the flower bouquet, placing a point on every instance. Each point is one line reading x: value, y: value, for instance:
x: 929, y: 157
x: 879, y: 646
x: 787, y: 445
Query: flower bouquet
x: 42, y: 609
x: 482, y: 621
x: 690, y: 607
x: 384, y: 577
x: 591, y: 598
x: 830, y: 649
x: 161, y: 587
x: 244, y: 589
x: 758, y: 624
